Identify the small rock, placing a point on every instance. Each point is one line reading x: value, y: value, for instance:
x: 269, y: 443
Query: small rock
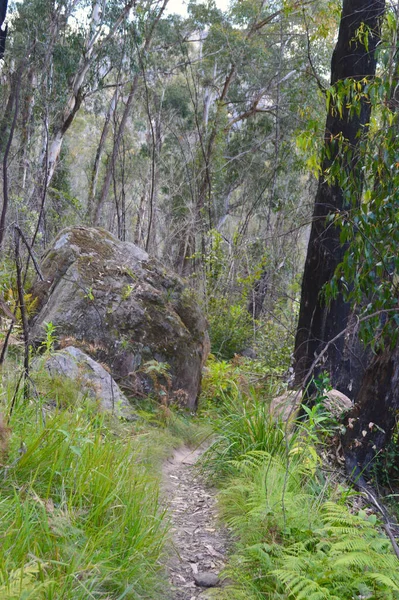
x: 91, y: 377
x: 206, y: 579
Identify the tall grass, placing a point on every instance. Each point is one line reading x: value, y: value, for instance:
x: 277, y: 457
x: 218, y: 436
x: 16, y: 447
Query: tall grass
x: 242, y: 424
x: 80, y: 513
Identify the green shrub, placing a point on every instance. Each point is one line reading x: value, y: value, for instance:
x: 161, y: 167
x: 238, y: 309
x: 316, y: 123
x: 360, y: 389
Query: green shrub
x: 243, y: 424
x: 223, y: 379
x: 230, y: 327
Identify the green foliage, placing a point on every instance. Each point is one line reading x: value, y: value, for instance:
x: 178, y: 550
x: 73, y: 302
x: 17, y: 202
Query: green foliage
x: 385, y: 467
x: 228, y: 290
x: 157, y: 369
x: 230, y: 328
x: 368, y: 274
x: 297, y: 545
x: 220, y: 376
x: 347, y: 558
x: 224, y: 379
x: 319, y: 424
x: 296, y: 536
x: 50, y: 339
x: 230, y: 324
x: 177, y: 99
x: 243, y: 424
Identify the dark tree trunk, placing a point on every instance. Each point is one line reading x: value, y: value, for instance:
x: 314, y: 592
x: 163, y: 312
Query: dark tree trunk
x: 3, y: 32
x: 318, y: 323
x: 258, y: 294
x: 370, y: 425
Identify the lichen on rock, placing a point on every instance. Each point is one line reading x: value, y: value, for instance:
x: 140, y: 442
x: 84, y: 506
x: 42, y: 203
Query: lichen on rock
x: 123, y: 308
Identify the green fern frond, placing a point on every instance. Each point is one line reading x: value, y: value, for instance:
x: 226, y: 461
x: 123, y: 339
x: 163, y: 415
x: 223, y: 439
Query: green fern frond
x: 352, y: 544
x: 383, y: 580
x: 360, y: 560
x: 296, y: 564
x: 301, y: 587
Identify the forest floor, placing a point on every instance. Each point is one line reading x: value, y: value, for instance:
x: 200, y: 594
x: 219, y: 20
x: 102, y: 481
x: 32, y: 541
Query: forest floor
x: 199, y: 543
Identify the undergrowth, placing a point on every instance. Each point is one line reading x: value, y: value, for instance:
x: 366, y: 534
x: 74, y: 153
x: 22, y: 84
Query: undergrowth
x: 298, y: 534
x: 81, y: 516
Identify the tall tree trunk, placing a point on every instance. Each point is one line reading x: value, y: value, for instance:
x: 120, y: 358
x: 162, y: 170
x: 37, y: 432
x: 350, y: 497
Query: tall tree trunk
x: 112, y: 160
x: 93, y: 46
x: 156, y: 134
x: 99, y: 154
x: 372, y: 422
x: 138, y: 231
x: 14, y: 105
x: 120, y: 131
x: 352, y: 59
x: 258, y: 294
x: 27, y: 128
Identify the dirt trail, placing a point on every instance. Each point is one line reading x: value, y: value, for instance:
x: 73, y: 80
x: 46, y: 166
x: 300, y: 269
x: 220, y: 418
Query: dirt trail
x: 198, y: 544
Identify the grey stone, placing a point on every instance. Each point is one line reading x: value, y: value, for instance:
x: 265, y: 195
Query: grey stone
x: 286, y: 406
x: 122, y: 308
x: 94, y: 380
x: 249, y: 353
x: 206, y: 579
x: 337, y: 403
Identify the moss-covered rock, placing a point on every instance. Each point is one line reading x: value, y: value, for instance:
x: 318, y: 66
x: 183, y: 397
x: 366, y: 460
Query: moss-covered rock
x: 122, y: 308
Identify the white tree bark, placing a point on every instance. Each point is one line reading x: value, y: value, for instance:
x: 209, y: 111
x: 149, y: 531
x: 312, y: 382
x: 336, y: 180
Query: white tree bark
x: 94, y: 43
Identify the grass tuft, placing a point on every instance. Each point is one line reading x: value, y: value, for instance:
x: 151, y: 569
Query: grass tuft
x: 81, y: 516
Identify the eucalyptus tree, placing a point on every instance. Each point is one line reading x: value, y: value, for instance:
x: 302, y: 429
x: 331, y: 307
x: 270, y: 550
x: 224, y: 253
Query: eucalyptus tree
x: 368, y: 273
x: 68, y: 51
x: 142, y: 33
x: 242, y: 78
x: 350, y: 326
x: 353, y: 68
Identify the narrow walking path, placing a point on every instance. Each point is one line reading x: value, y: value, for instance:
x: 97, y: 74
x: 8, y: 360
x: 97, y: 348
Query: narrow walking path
x: 199, y: 544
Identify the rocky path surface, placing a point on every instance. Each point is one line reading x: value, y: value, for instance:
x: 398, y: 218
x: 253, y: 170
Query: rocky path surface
x: 199, y: 544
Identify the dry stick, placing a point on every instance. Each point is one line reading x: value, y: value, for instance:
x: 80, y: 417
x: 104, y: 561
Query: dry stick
x: 7, y: 339
x: 384, y: 513
x: 5, y: 161
x: 21, y: 299
x: 25, y: 373
x: 43, y: 201
x: 30, y: 251
x: 391, y: 537
x: 153, y: 157
x: 4, y: 307
x: 14, y: 398
x: 13, y: 315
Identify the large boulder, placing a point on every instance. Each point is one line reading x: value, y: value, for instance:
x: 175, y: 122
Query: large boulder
x: 124, y: 309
